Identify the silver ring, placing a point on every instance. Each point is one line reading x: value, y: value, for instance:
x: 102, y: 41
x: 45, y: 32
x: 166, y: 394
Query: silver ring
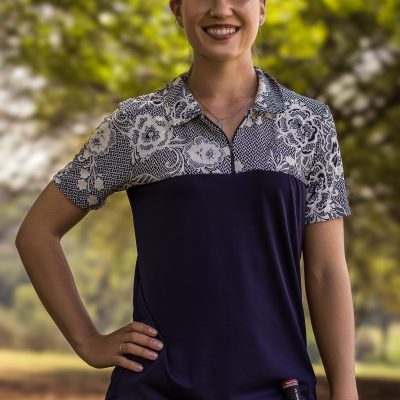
x: 120, y: 348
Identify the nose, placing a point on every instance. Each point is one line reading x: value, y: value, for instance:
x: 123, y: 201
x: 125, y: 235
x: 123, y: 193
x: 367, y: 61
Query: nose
x: 221, y: 9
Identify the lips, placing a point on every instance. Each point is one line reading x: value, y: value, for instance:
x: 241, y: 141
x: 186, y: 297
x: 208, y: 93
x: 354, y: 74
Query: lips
x: 220, y: 27
x: 222, y: 36
x: 209, y: 33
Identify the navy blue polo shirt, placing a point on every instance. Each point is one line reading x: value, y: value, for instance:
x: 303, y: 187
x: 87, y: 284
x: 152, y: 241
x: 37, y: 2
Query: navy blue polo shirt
x: 219, y: 232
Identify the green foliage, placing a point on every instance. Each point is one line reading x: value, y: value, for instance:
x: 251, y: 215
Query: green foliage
x: 95, y: 53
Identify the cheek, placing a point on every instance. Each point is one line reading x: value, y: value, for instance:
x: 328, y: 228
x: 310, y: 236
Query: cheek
x: 249, y: 34
x: 192, y: 21
x: 195, y: 34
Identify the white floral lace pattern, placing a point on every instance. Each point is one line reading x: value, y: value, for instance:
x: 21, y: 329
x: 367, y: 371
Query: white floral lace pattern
x: 203, y: 152
x: 100, y: 167
x: 164, y: 134
x: 326, y: 196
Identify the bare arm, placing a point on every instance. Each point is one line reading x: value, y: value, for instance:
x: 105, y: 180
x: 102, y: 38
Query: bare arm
x: 38, y: 244
x: 330, y: 303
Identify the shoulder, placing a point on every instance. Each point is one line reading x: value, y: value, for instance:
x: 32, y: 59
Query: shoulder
x: 134, y: 115
x: 142, y: 120
x: 303, y: 118
x: 305, y: 114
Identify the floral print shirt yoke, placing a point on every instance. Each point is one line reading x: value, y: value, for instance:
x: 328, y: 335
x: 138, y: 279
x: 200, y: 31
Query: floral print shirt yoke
x: 219, y: 234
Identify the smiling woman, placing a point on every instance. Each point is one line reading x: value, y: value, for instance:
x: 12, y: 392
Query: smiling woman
x: 255, y: 50
x: 230, y: 176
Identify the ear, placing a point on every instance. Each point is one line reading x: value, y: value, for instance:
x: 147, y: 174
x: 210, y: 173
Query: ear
x: 262, y: 11
x: 176, y: 9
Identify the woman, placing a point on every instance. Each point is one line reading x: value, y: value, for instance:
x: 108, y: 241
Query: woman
x: 232, y: 176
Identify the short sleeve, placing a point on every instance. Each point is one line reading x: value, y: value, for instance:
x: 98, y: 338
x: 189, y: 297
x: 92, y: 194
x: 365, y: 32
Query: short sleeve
x: 102, y: 166
x: 326, y: 196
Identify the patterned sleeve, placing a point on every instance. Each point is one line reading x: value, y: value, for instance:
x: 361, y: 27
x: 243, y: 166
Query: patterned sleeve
x: 326, y: 196
x: 102, y: 166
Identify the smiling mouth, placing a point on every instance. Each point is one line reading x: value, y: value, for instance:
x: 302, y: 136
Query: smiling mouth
x: 205, y: 29
x: 221, y: 33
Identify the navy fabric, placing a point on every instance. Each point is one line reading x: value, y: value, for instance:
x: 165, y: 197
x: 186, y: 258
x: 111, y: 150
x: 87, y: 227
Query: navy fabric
x: 219, y: 232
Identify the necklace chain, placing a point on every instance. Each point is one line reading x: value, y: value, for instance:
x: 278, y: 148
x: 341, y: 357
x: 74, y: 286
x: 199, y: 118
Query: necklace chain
x: 220, y: 123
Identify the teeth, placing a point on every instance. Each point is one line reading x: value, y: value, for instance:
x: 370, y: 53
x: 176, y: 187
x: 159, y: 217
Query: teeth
x: 221, y: 32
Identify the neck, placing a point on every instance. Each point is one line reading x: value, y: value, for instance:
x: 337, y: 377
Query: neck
x: 223, y: 82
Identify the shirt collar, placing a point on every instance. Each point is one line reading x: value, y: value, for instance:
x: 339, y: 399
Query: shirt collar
x: 181, y: 106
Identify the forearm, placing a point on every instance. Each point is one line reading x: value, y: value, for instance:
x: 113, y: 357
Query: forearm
x: 332, y: 317
x: 44, y: 260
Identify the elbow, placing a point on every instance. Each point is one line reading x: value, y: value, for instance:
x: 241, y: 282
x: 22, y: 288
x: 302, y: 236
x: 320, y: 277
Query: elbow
x: 19, y: 238
x: 34, y: 235
x: 23, y: 235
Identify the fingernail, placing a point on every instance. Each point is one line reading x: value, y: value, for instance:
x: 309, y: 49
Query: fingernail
x: 153, y: 331
x: 152, y: 354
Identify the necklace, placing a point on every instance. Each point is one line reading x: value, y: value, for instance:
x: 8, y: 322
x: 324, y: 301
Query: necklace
x: 219, y: 120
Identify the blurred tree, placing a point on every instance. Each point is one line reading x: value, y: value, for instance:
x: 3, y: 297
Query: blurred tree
x: 348, y: 55
x: 95, y: 53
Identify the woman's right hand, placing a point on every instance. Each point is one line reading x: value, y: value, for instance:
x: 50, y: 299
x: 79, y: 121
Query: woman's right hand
x: 102, y: 351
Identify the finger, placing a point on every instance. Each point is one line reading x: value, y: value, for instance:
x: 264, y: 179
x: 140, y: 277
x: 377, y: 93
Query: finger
x: 128, y: 364
x: 141, y: 327
x: 140, y: 351
x: 143, y: 340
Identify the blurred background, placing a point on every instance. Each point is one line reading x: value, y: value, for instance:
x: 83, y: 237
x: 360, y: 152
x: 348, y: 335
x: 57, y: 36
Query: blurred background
x: 65, y: 64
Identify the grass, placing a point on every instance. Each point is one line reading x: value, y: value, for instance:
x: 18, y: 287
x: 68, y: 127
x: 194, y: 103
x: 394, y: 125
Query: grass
x: 364, y: 370
x: 21, y: 362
